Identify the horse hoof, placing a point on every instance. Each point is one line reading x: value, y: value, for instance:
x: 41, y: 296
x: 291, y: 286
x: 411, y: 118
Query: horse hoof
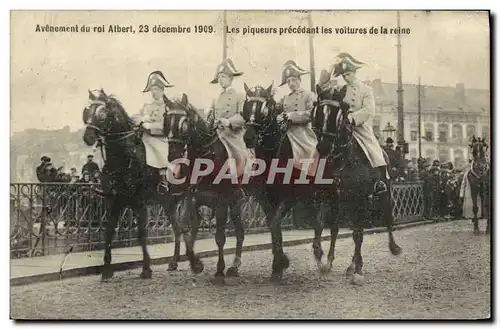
x: 276, y: 277
x: 106, y: 275
x: 172, y: 266
x: 232, y: 271
x: 219, y: 279
x: 357, y: 279
x: 285, y: 262
x: 395, y: 249
x: 146, y: 273
x: 197, y: 267
x: 476, y: 231
x: 350, y: 271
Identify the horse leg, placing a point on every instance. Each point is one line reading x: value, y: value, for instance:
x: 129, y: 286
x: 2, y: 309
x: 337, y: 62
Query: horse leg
x: 318, y: 231
x: 474, y: 193
x: 112, y: 220
x: 173, y: 265
x: 355, y: 269
x: 141, y: 211
x: 386, y: 203
x: 358, y: 276
x: 220, y: 239
x: 486, y: 198
x: 280, y: 260
x: 186, y: 210
x: 328, y: 210
x: 239, y: 231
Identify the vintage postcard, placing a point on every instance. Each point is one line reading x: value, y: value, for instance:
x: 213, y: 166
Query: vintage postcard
x: 250, y: 164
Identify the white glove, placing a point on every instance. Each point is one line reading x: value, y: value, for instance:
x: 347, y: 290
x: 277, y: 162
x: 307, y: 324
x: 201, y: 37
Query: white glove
x: 281, y: 117
x: 223, y: 122
x: 350, y: 118
x: 146, y: 125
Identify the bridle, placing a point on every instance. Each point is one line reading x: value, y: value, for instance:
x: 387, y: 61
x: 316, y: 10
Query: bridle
x: 264, y: 130
x: 186, y: 138
x: 341, y: 123
x: 105, y: 137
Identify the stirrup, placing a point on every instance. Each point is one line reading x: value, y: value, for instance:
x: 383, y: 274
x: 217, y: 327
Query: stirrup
x: 380, y: 187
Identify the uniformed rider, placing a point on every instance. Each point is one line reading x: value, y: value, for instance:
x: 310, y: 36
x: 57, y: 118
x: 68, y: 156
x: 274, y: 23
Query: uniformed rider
x: 360, y: 100
x: 151, y: 117
x: 225, y: 112
x: 297, y: 108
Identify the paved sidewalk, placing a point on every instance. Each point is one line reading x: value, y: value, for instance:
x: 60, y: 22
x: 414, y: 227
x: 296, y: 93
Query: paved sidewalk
x: 46, y: 268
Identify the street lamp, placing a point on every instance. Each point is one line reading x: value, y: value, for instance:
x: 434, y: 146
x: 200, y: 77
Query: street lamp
x: 389, y: 131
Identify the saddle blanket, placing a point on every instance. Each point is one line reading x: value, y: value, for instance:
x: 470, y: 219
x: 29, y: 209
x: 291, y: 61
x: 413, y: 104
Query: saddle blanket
x: 303, y: 141
x: 236, y: 149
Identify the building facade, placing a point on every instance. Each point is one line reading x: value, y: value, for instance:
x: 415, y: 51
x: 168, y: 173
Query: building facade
x: 450, y: 117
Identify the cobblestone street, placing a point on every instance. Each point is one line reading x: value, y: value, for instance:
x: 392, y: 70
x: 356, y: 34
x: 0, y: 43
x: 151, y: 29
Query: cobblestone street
x: 443, y: 273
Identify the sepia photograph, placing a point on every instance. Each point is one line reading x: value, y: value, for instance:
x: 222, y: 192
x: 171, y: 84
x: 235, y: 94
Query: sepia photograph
x: 250, y: 165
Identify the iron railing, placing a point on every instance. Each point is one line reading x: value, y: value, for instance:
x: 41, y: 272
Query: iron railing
x: 48, y: 218
x: 407, y: 202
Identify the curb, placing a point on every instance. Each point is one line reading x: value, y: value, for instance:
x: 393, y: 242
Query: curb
x: 94, y: 270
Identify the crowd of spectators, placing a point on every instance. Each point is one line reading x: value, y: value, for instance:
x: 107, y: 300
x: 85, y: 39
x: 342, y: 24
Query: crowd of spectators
x: 47, y: 173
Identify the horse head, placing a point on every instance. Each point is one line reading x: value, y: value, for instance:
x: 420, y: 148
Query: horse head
x: 105, y: 119
x: 184, y: 128
x: 479, y: 147
x: 330, y: 122
x: 480, y: 165
x: 259, y: 112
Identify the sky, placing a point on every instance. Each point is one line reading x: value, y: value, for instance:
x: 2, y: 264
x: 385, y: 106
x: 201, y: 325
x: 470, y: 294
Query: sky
x: 52, y: 72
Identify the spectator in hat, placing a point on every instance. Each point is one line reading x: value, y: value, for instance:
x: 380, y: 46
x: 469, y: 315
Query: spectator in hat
x: 50, y: 173
x: 389, y: 143
x: 96, y: 178
x: 90, y: 166
x: 40, y: 170
x: 85, y: 177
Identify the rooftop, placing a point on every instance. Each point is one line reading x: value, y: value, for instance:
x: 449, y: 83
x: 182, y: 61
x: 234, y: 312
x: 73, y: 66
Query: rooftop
x: 433, y: 97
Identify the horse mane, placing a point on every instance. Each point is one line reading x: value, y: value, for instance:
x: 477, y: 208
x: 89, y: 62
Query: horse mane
x: 191, y: 112
x: 117, y: 104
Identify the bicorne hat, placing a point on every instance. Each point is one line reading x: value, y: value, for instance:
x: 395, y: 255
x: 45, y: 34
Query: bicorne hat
x: 344, y: 63
x: 226, y: 67
x: 157, y: 78
x: 291, y: 69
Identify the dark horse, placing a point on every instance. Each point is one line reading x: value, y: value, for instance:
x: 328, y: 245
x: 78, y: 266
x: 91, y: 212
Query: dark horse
x: 272, y: 146
x: 479, y: 180
x: 127, y: 181
x: 192, y: 138
x: 355, y: 179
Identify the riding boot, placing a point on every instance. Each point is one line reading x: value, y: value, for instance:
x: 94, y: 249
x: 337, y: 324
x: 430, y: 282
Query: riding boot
x: 163, y: 187
x: 380, y: 186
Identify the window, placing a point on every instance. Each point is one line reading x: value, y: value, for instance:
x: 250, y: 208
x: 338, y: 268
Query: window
x: 443, y: 136
x: 444, y: 155
x: 471, y: 131
x: 457, y: 133
x: 485, y: 131
x: 413, y: 136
